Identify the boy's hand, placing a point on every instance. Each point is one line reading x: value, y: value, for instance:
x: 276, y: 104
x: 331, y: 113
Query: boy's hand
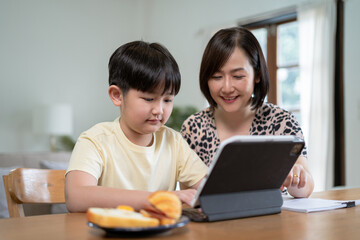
x: 186, y: 196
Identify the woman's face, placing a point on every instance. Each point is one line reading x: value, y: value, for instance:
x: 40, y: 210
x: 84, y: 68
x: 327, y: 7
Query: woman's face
x: 232, y: 86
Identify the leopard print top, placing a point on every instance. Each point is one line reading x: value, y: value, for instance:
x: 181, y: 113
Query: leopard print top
x: 199, y: 130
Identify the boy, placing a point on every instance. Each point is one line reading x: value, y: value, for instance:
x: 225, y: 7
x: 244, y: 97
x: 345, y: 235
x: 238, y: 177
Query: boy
x: 122, y: 162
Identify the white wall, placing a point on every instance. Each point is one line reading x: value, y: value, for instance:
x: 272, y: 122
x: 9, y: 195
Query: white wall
x: 186, y: 26
x: 57, y: 52
x: 351, y: 91
x: 54, y: 51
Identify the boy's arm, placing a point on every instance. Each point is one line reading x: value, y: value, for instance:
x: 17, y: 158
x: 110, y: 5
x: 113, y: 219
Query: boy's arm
x: 187, y: 194
x: 196, y: 185
x: 82, y: 192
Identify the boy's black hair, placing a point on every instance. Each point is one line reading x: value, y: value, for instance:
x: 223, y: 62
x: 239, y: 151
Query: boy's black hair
x: 144, y: 67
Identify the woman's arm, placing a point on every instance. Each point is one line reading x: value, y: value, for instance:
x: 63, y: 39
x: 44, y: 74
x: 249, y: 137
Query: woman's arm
x: 299, y: 181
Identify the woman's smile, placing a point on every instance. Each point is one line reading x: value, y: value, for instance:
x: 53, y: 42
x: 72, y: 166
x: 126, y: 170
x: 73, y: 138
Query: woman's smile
x: 229, y: 99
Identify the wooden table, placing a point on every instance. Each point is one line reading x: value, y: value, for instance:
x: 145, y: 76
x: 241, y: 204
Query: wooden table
x: 335, y: 224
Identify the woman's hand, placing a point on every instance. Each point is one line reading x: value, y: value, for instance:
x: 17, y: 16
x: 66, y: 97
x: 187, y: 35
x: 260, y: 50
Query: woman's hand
x: 299, y: 182
x: 297, y: 177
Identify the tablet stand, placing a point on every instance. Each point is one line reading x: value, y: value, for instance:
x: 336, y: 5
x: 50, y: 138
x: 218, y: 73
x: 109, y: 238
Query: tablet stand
x: 241, y: 204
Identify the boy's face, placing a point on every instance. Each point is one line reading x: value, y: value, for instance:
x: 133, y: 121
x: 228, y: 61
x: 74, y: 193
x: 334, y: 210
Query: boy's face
x: 144, y: 113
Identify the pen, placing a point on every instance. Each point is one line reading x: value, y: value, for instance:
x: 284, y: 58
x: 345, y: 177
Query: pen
x: 349, y: 204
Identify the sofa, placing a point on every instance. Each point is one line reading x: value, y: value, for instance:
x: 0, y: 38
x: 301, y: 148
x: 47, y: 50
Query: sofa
x: 45, y: 160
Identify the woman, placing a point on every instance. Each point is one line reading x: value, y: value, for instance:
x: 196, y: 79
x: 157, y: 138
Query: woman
x: 235, y: 81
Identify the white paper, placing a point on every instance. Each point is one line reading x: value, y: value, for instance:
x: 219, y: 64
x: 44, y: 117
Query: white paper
x: 311, y: 204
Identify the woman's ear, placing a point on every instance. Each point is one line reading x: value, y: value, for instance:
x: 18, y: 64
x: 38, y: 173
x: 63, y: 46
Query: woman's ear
x: 257, y: 80
x: 116, y: 95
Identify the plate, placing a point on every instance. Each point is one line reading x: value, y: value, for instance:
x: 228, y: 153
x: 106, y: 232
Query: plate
x: 145, y: 230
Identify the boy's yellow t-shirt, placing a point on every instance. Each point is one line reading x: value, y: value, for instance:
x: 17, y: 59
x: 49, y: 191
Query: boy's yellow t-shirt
x: 104, y: 152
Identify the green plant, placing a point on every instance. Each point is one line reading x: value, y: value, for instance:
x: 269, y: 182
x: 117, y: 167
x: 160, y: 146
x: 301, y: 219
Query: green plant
x: 179, y: 115
x: 64, y: 143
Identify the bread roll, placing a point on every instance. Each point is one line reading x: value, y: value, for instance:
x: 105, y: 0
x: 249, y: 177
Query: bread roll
x: 164, y: 209
x: 111, y: 218
x: 167, y: 203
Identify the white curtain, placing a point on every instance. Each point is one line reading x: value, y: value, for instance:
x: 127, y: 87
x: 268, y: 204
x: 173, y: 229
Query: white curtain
x: 317, y: 25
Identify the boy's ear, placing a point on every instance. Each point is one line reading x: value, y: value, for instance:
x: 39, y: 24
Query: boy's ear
x: 116, y: 95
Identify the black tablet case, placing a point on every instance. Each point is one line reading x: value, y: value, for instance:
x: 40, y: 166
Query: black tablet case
x: 246, y: 178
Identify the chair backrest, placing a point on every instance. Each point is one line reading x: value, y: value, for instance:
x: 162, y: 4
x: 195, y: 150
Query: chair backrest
x: 31, y: 185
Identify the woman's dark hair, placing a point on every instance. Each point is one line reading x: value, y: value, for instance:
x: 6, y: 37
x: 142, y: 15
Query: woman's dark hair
x: 219, y: 50
x: 144, y: 67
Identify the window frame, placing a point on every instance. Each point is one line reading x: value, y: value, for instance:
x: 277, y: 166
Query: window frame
x: 272, y: 25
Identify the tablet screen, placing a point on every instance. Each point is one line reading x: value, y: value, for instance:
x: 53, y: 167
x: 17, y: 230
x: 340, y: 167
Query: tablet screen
x: 247, y: 163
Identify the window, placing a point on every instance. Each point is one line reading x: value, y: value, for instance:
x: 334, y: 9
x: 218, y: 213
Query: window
x: 278, y: 38
x: 277, y: 35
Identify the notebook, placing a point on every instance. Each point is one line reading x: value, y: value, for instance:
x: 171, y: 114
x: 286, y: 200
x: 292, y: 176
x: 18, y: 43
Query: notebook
x: 308, y: 205
x: 245, y: 177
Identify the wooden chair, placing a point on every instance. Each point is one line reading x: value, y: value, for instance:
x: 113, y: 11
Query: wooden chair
x: 31, y: 185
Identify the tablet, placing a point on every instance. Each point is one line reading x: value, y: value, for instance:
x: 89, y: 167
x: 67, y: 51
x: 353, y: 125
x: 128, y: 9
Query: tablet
x: 248, y: 164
